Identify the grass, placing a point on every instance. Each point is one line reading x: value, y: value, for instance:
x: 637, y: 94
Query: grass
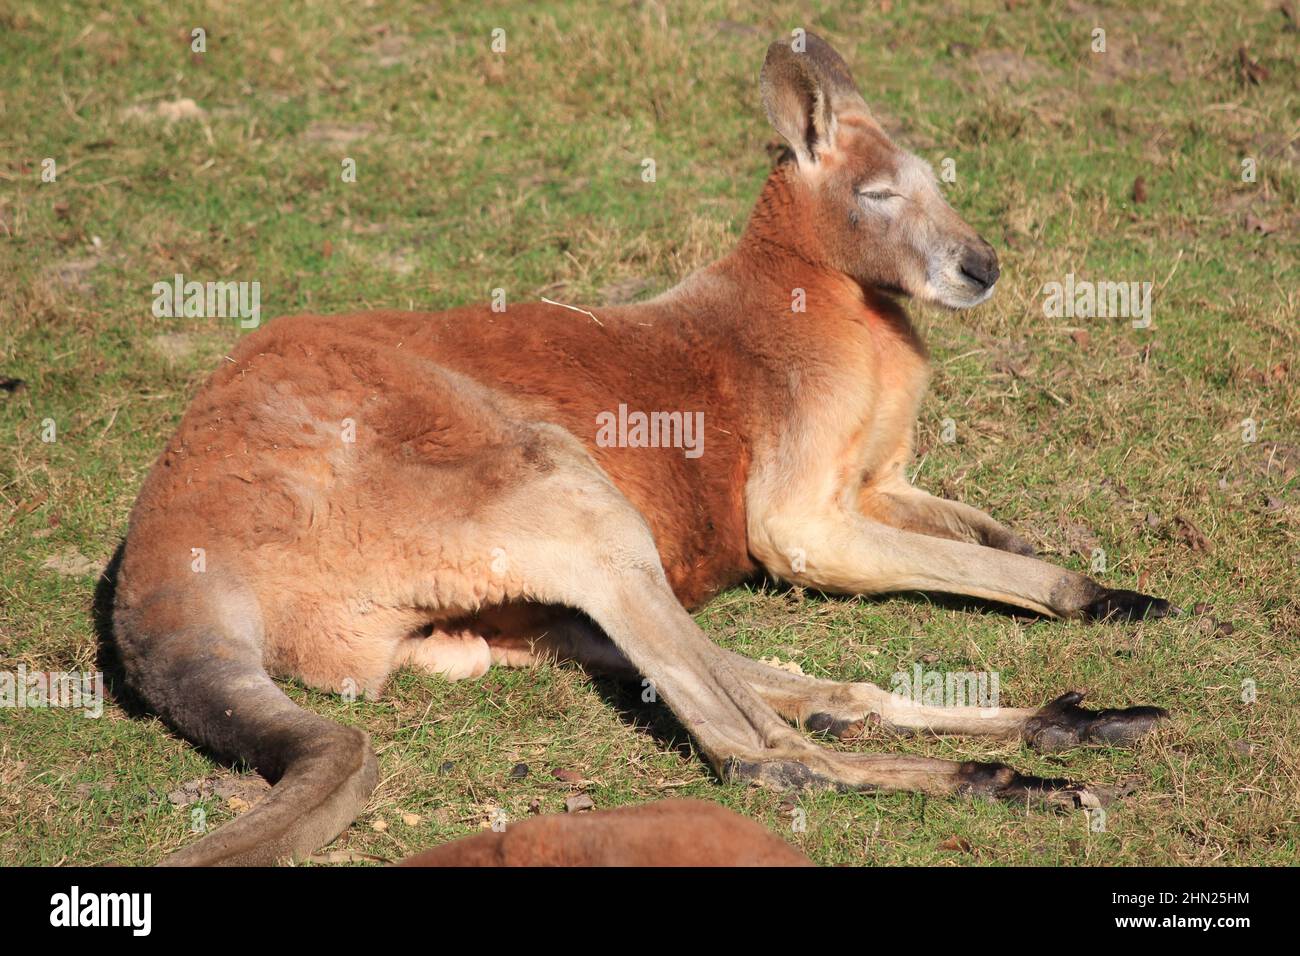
x: 522, y: 171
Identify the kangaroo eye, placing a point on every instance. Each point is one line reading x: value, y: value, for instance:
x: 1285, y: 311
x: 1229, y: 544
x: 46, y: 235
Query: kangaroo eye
x: 877, y: 194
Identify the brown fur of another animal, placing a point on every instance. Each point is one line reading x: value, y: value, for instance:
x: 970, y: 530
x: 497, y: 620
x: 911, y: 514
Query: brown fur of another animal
x: 663, y: 833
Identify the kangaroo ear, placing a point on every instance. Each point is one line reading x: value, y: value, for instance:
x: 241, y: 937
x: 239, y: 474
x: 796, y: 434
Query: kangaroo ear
x: 804, y: 84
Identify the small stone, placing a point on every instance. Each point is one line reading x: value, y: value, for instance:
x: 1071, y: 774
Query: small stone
x: 519, y: 771
x: 578, y: 803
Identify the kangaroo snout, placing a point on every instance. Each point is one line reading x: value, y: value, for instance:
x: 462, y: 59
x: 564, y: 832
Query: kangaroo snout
x: 979, y: 264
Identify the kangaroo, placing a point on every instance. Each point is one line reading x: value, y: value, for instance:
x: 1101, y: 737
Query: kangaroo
x: 353, y: 494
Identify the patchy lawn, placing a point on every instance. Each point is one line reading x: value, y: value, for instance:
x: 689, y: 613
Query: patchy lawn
x: 1169, y: 453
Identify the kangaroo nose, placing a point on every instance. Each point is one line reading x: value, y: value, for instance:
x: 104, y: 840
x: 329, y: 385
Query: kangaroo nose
x: 981, y: 266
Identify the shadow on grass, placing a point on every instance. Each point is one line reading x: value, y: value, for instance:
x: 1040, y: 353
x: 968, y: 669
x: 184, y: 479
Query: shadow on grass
x: 947, y: 602
x: 624, y: 697
x: 958, y: 602
x: 107, y: 658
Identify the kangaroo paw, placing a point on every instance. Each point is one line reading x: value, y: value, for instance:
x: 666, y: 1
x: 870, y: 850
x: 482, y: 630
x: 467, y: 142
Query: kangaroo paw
x: 999, y: 782
x: 1063, y: 724
x: 1116, y: 604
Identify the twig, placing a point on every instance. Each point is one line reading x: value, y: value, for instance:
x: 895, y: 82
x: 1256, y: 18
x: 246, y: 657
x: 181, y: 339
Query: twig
x: 575, y: 309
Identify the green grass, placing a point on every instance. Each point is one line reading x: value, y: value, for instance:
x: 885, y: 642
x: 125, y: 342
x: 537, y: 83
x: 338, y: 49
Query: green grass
x: 522, y: 171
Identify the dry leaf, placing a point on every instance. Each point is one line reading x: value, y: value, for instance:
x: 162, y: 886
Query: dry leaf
x: 170, y: 111
x: 956, y: 844
x: 789, y: 666
x: 1191, y: 535
x: 1251, y: 71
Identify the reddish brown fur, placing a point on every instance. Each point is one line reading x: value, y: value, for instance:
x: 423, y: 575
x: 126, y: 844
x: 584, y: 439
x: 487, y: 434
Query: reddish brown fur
x: 713, y: 351
x: 664, y: 833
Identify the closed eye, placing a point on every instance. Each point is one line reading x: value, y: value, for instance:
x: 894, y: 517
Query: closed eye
x: 877, y: 194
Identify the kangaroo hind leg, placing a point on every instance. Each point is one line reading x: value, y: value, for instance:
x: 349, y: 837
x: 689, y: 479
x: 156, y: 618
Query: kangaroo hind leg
x: 576, y: 541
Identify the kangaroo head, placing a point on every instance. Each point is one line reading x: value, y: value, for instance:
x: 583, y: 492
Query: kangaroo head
x: 873, y: 211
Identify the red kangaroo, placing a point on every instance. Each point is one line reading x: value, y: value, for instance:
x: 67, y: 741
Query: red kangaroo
x: 349, y: 495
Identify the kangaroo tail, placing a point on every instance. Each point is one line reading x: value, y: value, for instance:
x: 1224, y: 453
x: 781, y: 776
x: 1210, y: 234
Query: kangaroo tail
x: 199, y: 666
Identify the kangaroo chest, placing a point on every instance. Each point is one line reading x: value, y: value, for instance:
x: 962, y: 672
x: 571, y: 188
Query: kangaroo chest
x: 849, y: 418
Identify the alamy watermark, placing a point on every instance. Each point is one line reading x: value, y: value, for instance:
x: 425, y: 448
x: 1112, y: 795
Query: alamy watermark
x: 1084, y: 299
x: 39, y: 690
x: 74, y: 908
x: 947, y: 688
x: 624, y: 429
x: 200, y: 300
